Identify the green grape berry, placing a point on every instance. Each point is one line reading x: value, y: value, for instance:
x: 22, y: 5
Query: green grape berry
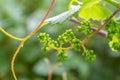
x: 116, y: 46
x: 53, y: 43
x: 62, y: 39
x: 69, y: 34
x: 113, y: 28
x: 45, y: 47
x: 88, y: 31
x: 48, y: 42
x: 66, y: 37
x: 85, y: 28
x: 80, y: 29
x: 76, y: 44
x: 86, y: 23
x: 61, y: 55
x: 43, y: 37
x: 89, y: 55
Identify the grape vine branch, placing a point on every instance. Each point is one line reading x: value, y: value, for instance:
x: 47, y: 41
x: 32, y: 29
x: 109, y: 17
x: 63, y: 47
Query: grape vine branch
x: 29, y: 36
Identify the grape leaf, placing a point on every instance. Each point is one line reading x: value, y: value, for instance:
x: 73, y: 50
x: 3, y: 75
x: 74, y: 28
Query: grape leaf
x: 89, y: 3
x: 95, y: 12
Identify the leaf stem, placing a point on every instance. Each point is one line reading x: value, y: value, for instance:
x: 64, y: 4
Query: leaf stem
x: 59, y: 48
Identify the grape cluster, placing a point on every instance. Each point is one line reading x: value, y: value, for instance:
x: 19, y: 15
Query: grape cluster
x: 113, y: 29
x: 45, y: 38
x: 89, y: 55
x: 116, y: 46
x: 67, y: 37
x: 85, y: 28
x: 76, y: 44
x: 62, y: 55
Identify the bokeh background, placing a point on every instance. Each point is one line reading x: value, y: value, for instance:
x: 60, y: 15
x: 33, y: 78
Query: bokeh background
x: 19, y: 17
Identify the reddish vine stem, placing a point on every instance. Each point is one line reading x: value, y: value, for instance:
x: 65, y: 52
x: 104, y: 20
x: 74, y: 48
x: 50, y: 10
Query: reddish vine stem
x: 41, y: 23
x: 103, y: 25
x: 52, y: 69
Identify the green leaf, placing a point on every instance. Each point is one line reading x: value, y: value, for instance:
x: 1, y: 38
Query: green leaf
x: 95, y: 12
x: 89, y: 3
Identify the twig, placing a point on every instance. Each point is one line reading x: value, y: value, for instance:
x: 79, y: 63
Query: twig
x: 27, y: 37
x: 41, y: 23
x: 13, y: 60
x: 73, y: 19
x: 9, y: 35
x: 101, y: 32
x: 52, y: 69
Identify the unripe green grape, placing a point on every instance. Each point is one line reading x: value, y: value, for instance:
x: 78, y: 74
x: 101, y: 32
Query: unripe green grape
x: 89, y: 55
x: 66, y: 37
x: 88, y: 31
x: 62, y: 55
x: 43, y: 37
x: 76, y: 44
x: 53, y: 43
x: 86, y: 23
x: 62, y: 39
x: 80, y: 29
x: 116, y: 46
x: 45, y: 47
x: 85, y: 28
x: 48, y: 42
x: 69, y: 34
x: 113, y: 28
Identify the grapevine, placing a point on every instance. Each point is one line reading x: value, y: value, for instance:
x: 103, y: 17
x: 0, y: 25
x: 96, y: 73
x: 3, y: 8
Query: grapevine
x: 86, y: 13
x: 67, y: 37
x: 85, y: 26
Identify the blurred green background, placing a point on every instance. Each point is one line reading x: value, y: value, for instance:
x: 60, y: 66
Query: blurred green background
x: 19, y: 17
